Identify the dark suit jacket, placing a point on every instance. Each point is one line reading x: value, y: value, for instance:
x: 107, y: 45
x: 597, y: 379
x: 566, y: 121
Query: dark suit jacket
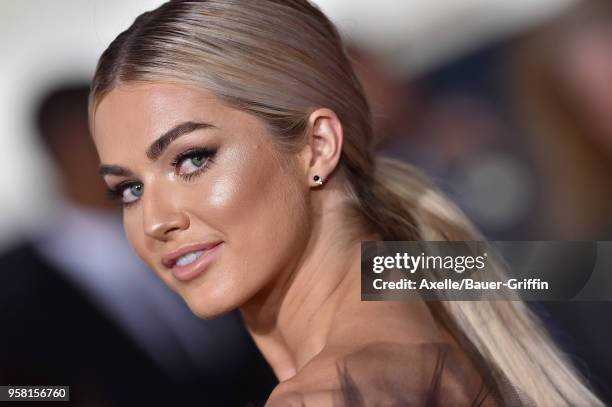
x: 51, y: 333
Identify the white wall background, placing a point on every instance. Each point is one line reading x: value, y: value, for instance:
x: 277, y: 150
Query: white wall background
x: 43, y: 41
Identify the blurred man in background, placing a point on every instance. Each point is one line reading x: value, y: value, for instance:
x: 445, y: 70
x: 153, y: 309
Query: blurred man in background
x: 78, y: 308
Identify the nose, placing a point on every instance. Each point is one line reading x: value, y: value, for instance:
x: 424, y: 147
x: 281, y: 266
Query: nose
x: 161, y: 220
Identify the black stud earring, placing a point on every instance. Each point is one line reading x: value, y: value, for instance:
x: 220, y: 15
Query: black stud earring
x: 318, y: 180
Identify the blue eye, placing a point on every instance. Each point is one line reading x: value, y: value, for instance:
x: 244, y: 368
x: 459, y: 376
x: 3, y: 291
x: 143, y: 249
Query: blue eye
x: 127, y: 192
x: 192, y: 162
x: 135, y: 190
x: 187, y: 164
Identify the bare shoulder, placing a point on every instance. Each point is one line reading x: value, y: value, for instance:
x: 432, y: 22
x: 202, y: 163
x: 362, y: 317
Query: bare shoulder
x: 386, y: 374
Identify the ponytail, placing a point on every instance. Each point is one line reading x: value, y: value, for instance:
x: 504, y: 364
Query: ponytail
x: 503, y: 337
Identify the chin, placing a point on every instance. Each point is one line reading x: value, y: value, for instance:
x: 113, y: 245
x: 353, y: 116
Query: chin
x: 209, y: 305
x: 207, y: 312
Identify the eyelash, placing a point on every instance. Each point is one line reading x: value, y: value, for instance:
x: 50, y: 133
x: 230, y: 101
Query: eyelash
x: 191, y: 153
x: 116, y: 193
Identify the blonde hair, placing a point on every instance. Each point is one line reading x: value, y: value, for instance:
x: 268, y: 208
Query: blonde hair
x: 280, y: 60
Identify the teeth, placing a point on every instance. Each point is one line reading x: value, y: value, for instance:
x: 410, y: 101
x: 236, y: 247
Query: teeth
x: 189, y: 258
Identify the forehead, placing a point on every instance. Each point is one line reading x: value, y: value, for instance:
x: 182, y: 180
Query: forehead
x: 134, y: 115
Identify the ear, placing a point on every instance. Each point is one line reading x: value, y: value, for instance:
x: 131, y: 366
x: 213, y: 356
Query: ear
x: 324, y: 146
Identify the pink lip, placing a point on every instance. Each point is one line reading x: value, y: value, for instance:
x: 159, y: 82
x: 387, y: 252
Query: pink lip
x: 192, y: 270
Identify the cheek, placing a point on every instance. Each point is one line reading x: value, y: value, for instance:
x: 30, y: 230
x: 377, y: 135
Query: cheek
x: 254, y: 193
x: 261, y: 209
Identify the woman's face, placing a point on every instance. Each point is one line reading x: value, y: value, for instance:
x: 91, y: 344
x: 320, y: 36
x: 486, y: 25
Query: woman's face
x: 203, y: 180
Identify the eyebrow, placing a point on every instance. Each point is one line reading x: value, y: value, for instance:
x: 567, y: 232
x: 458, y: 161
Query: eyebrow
x: 114, y: 170
x: 157, y: 148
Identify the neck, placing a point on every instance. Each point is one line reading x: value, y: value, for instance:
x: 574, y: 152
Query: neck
x: 290, y: 320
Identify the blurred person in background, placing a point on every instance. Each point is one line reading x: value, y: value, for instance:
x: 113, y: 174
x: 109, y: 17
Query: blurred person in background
x: 78, y: 308
x: 560, y: 80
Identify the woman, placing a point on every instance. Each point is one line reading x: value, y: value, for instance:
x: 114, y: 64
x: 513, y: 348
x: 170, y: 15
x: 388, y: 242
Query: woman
x: 238, y: 139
